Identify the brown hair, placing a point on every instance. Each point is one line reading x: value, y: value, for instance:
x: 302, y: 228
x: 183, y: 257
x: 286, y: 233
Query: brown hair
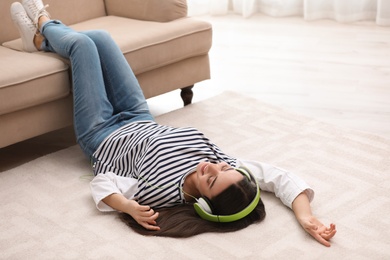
x: 182, y: 221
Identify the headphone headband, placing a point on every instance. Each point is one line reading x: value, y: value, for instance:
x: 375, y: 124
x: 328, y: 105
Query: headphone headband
x: 203, y: 209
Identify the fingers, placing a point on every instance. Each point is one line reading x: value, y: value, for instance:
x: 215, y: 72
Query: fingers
x: 322, y: 240
x: 329, y: 232
x: 318, y: 235
x: 147, y: 218
x: 323, y: 234
x: 149, y: 226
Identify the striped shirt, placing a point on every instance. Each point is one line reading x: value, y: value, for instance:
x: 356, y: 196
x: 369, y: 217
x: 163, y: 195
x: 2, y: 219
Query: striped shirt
x: 159, y: 157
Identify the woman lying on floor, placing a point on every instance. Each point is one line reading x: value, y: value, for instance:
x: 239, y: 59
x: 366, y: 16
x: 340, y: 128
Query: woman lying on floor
x: 166, y: 181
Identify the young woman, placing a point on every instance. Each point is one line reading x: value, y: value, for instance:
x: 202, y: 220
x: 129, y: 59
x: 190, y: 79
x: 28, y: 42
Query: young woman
x: 166, y: 181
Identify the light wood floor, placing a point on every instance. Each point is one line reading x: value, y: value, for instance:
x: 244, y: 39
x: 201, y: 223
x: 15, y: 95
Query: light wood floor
x: 337, y: 73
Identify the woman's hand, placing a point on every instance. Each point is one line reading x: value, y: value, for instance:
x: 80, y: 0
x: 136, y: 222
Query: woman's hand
x: 318, y: 230
x: 144, y: 215
x: 302, y: 211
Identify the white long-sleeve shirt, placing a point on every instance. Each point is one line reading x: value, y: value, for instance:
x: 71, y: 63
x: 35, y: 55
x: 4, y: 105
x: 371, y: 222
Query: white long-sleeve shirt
x: 285, y: 185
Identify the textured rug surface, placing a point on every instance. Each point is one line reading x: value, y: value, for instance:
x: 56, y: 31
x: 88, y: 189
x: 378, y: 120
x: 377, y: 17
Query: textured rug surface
x: 47, y: 211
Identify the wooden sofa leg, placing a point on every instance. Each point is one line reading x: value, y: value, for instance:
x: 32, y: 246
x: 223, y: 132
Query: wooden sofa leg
x: 187, y: 94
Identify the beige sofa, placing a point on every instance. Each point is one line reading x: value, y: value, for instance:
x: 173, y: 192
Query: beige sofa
x: 166, y: 49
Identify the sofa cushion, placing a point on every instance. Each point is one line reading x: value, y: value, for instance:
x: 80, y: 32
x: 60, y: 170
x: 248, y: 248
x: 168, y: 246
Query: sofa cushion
x: 149, y: 45
x: 28, y: 79
x: 149, y: 10
x: 75, y: 11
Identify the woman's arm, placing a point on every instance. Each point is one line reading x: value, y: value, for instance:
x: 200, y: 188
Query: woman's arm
x: 284, y: 184
x: 295, y: 193
x: 144, y: 215
x: 302, y: 211
x: 112, y: 192
x: 109, y: 183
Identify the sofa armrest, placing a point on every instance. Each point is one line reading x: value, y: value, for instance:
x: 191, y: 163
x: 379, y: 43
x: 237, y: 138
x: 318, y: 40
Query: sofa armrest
x: 149, y: 10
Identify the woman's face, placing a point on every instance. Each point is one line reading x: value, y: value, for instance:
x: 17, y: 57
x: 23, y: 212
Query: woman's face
x: 212, y: 178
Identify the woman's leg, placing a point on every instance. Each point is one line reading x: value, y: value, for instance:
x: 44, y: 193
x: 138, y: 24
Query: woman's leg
x: 93, y: 112
x: 122, y: 87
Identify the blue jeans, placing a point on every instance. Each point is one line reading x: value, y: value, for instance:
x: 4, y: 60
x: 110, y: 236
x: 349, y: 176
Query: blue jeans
x: 106, y: 92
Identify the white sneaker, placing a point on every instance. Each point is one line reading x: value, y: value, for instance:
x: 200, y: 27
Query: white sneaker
x: 35, y: 9
x: 25, y: 26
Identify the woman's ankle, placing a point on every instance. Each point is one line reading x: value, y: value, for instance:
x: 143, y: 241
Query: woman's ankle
x: 42, y: 20
x: 38, y: 40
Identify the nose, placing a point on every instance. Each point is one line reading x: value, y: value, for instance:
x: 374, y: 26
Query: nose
x: 214, y: 169
x: 210, y: 169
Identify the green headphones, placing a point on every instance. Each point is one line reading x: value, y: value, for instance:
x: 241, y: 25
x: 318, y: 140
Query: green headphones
x: 203, y: 209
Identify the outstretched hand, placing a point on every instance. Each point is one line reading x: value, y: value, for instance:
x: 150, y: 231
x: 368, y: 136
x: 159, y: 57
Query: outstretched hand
x: 302, y: 211
x: 318, y: 230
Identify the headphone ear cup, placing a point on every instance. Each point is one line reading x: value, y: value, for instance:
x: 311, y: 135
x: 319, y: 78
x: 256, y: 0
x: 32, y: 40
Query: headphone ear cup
x: 205, y: 204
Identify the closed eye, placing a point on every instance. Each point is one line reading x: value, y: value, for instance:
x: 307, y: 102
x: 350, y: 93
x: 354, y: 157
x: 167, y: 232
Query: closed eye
x: 227, y: 168
x: 224, y: 168
x: 212, y: 183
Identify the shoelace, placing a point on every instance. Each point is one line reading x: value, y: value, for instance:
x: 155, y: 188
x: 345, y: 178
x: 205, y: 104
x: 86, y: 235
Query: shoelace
x: 38, y: 12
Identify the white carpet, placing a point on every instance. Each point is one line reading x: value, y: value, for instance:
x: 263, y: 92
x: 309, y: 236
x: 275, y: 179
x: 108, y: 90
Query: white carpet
x: 47, y: 211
